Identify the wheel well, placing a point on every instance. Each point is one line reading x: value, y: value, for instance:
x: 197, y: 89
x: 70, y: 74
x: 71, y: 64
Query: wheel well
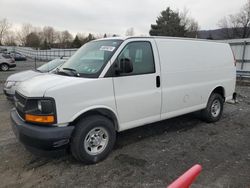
x: 220, y: 90
x: 100, y: 111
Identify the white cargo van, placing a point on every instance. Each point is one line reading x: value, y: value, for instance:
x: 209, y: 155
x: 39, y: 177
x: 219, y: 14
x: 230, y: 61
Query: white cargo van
x: 110, y: 85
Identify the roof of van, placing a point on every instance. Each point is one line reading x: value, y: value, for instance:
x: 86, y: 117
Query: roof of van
x: 160, y: 37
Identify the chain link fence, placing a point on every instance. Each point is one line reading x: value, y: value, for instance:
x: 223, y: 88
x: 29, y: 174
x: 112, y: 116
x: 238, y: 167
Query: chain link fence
x: 241, y: 50
x: 43, y: 55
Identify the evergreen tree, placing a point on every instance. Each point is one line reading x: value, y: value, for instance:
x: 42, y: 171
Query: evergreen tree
x: 32, y: 40
x: 168, y: 24
x: 76, y: 42
x: 45, y: 45
x: 90, y: 37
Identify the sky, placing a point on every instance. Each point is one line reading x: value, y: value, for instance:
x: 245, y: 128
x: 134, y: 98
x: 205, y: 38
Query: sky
x: 111, y: 16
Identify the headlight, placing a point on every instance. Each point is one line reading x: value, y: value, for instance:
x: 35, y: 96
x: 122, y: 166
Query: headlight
x: 45, y: 106
x: 39, y: 105
x: 41, y: 111
x: 9, y: 84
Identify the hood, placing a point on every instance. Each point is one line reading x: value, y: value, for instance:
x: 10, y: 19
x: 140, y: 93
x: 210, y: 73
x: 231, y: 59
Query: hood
x: 22, y: 76
x: 38, y: 85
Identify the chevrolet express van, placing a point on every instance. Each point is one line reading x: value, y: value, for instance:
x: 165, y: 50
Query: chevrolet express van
x: 114, y: 84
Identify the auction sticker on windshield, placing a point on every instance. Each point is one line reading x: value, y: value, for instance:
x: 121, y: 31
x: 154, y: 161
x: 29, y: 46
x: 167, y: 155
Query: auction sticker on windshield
x: 107, y: 48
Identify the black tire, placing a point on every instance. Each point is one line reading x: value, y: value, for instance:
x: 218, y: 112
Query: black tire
x: 4, y: 67
x: 209, y: 114
x: 82, y: 132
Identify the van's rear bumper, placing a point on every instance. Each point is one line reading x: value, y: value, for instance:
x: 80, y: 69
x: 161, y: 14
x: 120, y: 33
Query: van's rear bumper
x: 40, y: 137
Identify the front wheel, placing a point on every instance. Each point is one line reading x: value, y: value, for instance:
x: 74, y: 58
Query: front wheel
x: 214, y: 109
x: 4, y: 67
x: 93, y: 139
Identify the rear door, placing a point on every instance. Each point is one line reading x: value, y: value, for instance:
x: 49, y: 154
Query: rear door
x: 138, y: 94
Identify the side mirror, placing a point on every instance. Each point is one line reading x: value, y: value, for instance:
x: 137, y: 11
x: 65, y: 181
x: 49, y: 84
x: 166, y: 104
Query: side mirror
x: 125, y: 66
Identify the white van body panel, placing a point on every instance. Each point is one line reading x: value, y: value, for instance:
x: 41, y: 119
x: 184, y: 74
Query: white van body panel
x: 189, y: 71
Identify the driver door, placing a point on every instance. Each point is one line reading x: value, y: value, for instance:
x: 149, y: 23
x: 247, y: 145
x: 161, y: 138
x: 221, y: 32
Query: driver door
x: 138, y: 94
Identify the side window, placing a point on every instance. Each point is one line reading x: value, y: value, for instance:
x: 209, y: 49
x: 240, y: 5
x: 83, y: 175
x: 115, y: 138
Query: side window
x: 141, y: 55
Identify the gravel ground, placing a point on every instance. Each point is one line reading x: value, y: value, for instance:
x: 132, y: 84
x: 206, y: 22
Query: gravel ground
x: 149, y: 156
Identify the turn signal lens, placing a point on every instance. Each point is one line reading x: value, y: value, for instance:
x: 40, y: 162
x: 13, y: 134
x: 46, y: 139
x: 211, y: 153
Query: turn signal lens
x: 40, y: 119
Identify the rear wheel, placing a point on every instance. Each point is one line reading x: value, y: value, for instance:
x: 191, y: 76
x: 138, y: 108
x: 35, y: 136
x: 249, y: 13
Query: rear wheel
x: 214, y: 109
x: 4, y: 67
x: 93, y: 139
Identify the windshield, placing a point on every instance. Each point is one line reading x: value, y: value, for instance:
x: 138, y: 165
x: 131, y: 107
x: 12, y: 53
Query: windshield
x: 50, y: 65
x: 91, y: 58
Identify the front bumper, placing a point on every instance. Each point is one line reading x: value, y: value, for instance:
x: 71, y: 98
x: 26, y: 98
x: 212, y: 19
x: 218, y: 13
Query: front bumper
x: 12, y: 65
x: 40, y: 137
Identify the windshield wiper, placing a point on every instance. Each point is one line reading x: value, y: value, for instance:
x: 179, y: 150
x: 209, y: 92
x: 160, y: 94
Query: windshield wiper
x: 73, y: 71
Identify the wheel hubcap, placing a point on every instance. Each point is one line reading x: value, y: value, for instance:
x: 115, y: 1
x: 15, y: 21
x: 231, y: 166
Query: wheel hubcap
x: 96, y: 141
x: 215, y: 108
x: 4, y: 67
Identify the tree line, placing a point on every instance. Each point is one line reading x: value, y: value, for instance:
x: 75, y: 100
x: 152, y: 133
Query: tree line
x: 46, y: 37
x: 180, y: 24
x: 169, y: 23
x: 237, y: 25
x: 43, y: 38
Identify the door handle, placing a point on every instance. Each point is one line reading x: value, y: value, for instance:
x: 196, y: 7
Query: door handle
x: 158, y: 81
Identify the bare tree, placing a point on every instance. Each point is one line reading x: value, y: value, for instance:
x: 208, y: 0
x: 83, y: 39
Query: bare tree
x: 81, y: 36
x: 99, y: 35
x: 49, y: 34
x: 10, y: 39
x: 67, y: 36
x: 225, y: 28
x: 130, y: 32
x: 238, y: 25
x: 4, y: 28
x: 22, y: 34
x: 59, y: 39
x: 190, y: 24
x: 64, y: 38
x: 241, y: 21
